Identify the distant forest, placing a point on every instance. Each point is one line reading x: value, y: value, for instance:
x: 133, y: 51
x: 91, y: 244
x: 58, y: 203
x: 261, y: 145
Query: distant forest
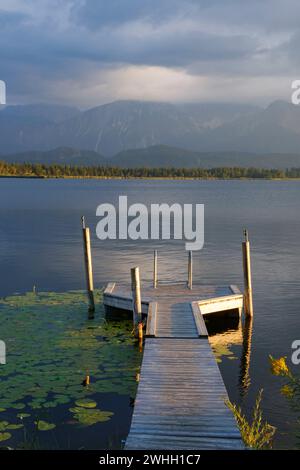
x: 67, y: 171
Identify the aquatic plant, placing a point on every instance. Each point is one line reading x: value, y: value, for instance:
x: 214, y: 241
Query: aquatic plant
x: 86, y: 403
x: 44, y: 426
x: 257, y: 434
x: 291, y: 388
x: 279, y: 366
x: 52, y: 347
x: 88, y: 417
x: 4, y: 436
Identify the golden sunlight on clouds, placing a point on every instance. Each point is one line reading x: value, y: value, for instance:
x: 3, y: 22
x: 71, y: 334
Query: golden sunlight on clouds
x: 166, y: 84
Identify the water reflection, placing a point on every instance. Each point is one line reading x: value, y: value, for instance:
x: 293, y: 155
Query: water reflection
x: 224, y: 333
x: 245, y: 379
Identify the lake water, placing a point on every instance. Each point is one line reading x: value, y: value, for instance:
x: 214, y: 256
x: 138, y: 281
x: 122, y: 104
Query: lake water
x: 41, y: 245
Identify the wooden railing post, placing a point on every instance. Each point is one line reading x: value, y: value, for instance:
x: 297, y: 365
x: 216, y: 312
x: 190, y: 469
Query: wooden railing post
x: 248, y: 302
x: 155, y: 270
x: 88, y: 266
x: 190, y: 270
x: 136, y: 298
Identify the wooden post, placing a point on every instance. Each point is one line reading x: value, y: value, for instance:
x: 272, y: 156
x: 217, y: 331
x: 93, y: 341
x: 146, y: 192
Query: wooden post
x: 136, y: 298
x: 88, y: 266
x: 155, y: 270
x: 248, y: 303
x: 190, y: 270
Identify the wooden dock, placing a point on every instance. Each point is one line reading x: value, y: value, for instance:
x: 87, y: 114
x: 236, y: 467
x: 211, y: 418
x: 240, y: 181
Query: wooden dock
x: 180, y: 402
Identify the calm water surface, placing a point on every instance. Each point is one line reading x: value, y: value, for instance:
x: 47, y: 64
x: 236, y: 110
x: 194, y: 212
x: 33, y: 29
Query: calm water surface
x: 41, y: 245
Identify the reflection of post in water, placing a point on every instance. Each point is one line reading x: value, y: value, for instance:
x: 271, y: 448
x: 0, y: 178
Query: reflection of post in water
x: 245, y: 379
x: 223, y: 335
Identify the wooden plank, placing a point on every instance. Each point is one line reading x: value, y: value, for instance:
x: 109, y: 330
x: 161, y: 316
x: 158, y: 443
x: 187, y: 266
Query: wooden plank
x: 151, y: 320
x: 200, y: 323
x: 122, y: 303
x: 220, y: 304
x: 109, y: 288
x: 166, y: 442
x: 235, y: 289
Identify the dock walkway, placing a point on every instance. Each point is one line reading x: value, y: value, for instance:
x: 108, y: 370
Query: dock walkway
x: 180, y: 401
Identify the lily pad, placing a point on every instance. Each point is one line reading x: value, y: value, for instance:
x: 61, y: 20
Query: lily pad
x: 86, y: 403
x: 3, y: 425
x: 4, y: 436
x: 18, y: 406
x: 14, y: 426
x: 88, y: 417
x: 44, y: 426
x: 53, y: 347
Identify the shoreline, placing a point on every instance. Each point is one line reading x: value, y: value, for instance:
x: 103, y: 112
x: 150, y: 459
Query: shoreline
x: 162, y: 178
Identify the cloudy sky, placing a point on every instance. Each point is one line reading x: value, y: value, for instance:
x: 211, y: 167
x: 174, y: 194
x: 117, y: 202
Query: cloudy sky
x: 89, y: 52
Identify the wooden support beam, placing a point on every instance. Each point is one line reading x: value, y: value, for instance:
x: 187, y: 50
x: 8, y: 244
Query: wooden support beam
x: 190, y: 270
x: 151, y: 320
x: 155, y: 270
x: 88, y: 267
x: 136, y: 298
x: 248, y: 302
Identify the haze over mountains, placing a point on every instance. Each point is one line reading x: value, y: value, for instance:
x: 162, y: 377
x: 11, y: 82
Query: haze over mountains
x: 140, y: 133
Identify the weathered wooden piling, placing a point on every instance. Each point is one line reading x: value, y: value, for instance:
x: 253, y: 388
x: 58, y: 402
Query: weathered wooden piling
x: 155, y: 270
x: 88, y: 266
x: 190, y: 270
x: 248, y: 302
x: 136, y: 298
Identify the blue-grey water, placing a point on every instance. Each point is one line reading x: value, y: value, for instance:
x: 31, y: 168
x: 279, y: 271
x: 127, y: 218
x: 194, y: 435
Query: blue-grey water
x: 41, y: 245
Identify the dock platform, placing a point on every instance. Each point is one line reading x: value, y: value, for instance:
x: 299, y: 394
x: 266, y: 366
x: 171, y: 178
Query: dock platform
x: 180, y: 401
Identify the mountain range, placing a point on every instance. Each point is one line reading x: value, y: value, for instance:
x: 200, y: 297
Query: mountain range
x: 137, y: 133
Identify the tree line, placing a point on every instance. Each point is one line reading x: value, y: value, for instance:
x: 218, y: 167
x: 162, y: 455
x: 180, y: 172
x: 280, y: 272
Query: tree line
x: 69, y: 171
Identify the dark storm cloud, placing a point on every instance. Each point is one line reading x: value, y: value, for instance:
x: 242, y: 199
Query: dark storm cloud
x: 43, y: 41
x: 10, y: 19
x: 269, y: 15
x: 96, y: 13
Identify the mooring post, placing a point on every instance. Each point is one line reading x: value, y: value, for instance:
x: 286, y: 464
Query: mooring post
x: 136, y: 298
x: 190, y: 270
x: 248, y: 303
x: 88, y: 266
x: 155, y: 270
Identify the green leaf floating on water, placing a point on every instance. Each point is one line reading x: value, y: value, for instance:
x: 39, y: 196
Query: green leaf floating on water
x: 14, y: 426
x: 4, y: 436
x: 3, y: 425
x: 90, y: 416
x: 86, y: 403
x: 44, y: 426
x: 18, y: 406
x: 6, y: 425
